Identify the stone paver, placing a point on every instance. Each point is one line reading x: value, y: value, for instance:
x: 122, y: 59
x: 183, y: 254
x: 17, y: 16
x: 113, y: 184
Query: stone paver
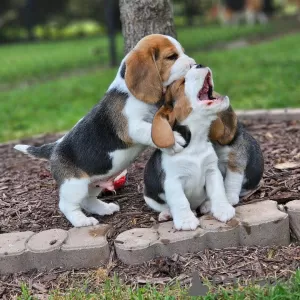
x: 293, y: 210
x: 44, y: 248
x: 86, y: 247
x: 263, y: 224
x: 260, y: 223
x: 255, y: 224
x: 78, y: 247
x: 13, y: 254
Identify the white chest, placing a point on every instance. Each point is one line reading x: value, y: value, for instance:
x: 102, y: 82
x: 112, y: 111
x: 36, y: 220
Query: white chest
x: 190, y: 167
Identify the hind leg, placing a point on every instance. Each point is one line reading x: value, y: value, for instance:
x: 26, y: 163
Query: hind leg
x: 95, y: 206
x: 71, y: 194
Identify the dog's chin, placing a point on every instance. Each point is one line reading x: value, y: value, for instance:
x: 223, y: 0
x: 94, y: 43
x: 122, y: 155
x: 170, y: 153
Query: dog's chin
x: 217, y: 105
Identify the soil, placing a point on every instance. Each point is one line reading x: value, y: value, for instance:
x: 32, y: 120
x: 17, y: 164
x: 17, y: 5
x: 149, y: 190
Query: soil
x: 29, y: 195
x: 29, y: 201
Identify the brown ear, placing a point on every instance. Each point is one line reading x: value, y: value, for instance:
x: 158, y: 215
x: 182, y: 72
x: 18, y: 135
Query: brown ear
x: 162, y: 133
x: 142, y: 76
x: 182, y: 106
x: 223, y: 129
x: 182, y: 109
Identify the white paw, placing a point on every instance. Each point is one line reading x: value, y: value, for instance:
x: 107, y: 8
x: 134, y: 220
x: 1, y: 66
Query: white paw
x: 85, y: 221
x: 186, y: 221
x: 165, y: 216
x: 110, y: 208
x: 223, y: 212
x: 179, y: 139
x: 233, y: 199
x: 205, y: 208
x: 178, y: 146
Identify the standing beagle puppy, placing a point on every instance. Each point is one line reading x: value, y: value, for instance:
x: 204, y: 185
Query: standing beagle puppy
x: 104, y: 143
x: 176, y: 184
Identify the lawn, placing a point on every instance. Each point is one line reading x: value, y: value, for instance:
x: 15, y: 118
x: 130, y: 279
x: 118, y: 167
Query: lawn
x: 114, y: 290
x: 27, y: 62
x: 258, y: 76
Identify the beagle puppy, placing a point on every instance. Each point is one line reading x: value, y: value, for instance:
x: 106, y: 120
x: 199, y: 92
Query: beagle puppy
x: 106, y: 141
x: 174, y: 185
x: 240, y: 157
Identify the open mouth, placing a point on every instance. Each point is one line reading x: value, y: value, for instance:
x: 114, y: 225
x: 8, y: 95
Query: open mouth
x: 206, y: 93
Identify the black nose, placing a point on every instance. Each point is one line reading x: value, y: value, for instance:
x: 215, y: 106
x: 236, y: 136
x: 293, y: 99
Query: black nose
x: 200, y: 66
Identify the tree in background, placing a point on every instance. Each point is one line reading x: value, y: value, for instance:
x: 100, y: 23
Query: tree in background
x: 142, y: 17
x: 109, y: 9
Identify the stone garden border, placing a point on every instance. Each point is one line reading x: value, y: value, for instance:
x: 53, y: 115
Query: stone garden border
x: 256, y: 224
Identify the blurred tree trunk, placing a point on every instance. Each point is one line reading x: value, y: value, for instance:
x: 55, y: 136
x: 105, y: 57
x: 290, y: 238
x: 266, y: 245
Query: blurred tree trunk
x: 30, y: 18
x: 111, y: 30
x: 142, y: 17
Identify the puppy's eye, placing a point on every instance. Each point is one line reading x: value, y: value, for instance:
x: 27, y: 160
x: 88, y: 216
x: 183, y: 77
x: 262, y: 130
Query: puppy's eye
x: 172, y: 57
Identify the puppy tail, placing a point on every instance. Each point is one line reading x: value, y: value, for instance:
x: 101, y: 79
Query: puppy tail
x: 43, y: 151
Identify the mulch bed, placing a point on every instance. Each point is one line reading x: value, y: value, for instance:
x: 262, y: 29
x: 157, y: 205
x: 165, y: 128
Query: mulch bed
x: 29, y: 201
x: 29, y: 195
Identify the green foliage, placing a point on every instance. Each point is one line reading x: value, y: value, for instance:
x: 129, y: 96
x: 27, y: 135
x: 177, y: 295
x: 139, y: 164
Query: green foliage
x: 258, y: 76
x: 43, y: 60
x: 113, y: 289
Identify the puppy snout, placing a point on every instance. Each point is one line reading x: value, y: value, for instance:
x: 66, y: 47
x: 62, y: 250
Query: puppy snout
x: 199, y: 66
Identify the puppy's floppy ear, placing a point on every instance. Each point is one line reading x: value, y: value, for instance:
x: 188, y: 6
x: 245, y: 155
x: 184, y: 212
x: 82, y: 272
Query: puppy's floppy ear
x: 162, y: 134
x: 223, y: 129
x: 142, y: 76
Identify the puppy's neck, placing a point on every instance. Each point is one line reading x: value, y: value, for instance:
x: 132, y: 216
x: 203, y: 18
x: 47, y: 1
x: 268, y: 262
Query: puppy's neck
x: 199, y: 125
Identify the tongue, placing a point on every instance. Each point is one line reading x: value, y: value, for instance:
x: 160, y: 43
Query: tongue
x: 203, y: 96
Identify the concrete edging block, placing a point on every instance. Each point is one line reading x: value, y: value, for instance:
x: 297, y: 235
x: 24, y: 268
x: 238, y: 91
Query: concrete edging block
x: 249, y: 228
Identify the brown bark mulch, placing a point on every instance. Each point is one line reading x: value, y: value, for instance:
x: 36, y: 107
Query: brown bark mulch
x: 29, y: 196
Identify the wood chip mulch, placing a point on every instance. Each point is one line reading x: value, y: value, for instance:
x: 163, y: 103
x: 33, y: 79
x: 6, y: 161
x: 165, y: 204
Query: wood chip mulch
x: 29, y: 196
x: 29, y: 201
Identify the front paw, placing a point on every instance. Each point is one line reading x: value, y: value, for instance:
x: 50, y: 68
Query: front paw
x: 233, y: 199
x: 186, y: 221
x: 180, y: 142
x: 223, y: 212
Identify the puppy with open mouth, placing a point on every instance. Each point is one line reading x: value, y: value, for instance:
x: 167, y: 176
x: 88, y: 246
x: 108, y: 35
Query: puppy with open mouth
x: 177, y: 184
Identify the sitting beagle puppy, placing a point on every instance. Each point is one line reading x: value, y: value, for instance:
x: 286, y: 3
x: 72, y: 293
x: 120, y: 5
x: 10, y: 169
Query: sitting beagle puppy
x: 240, y: 157
x: 106, y: 141
x: 175, y: 184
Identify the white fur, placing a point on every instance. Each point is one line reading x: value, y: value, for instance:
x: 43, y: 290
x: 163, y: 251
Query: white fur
x: 233, y: 185
x: 22, y: 148
x: 189, y: 172
x: 75, y: 194
x: 233, y: 181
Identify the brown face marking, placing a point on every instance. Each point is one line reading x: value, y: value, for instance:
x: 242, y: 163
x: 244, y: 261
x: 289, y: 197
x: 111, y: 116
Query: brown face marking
x: 148, y: 66
x: 162, y: 133
x: 223, y: 129
x: 176, y: 93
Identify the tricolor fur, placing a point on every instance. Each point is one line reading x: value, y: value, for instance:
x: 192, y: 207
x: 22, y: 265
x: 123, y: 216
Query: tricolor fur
x: 177, y: 184
x: 104, y: 143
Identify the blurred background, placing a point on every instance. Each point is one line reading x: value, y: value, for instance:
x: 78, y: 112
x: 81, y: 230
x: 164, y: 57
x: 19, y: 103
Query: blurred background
x: 57, y: 58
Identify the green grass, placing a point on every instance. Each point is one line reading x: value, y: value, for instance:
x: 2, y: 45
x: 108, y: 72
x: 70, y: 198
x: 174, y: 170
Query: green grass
x: 114, y: 290
x: 27, y: 62
x: 260, y: 76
